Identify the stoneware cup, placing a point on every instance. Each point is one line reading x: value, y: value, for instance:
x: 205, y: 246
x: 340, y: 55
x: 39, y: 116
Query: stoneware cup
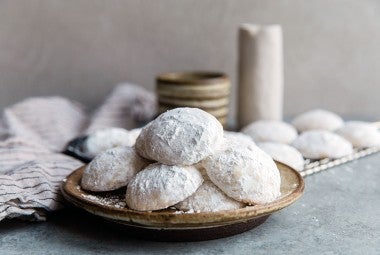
x: 208, y: 91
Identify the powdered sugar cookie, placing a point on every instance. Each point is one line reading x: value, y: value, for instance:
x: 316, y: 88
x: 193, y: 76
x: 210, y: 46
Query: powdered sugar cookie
x: 360, y: 134
x: 317, y: 119
x: 318, y: 144
x: 238, y: 137
x: 108, y: 138
x: 270, y: 131
x: 160, y: 186
x: 246, y: 174
x: 208, y: 198
x: 284, y: 153
x: 144, y: 141
x: 112, y: 169
x: 182, y: 136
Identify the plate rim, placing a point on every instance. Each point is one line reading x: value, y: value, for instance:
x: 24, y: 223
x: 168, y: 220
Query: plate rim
x: 171, y: 220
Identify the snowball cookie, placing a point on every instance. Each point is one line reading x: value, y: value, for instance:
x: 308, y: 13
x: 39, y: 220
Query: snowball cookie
x: 270, y: 131
x: 107, y: 138
x: 317, y: 119
x: 144, y: 141
x: 183, y: 136
x: 360, y: 134
x: 238, y: 137
x: 112, y: 169
x: 208, y: 198
x: 318, y: 144
x: 246, y: 174
x: 284, y: 153
x: 160, y: 186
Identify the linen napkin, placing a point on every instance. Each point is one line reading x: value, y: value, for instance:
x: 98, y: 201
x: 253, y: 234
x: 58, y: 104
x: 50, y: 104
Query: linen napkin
x: 34, y: 131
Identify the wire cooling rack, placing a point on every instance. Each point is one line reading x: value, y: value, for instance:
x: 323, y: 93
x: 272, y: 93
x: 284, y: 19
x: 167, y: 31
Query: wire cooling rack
x: 316, y: 166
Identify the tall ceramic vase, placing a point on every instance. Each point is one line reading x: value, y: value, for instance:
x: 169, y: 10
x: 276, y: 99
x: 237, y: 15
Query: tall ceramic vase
x: 260, y: 73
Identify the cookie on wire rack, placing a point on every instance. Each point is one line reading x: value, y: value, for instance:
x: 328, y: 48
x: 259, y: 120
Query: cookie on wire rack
x: 319, y: 144
x: 360, y: 134
x: 284, y: 153
x: 270, y: 131
x: 317, y: 120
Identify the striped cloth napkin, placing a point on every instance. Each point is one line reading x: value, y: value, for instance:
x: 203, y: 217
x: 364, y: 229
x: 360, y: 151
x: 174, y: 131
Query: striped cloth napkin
x: 35, y: 131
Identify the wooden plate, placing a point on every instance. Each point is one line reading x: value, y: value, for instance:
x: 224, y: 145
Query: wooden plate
x: 172, y: 225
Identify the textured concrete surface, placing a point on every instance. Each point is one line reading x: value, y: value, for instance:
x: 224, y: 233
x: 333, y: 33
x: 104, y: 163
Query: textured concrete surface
x: 338, y: 214
x: 81, y: 48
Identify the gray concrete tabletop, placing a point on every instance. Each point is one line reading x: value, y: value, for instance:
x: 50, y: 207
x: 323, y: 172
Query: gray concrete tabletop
x: 338, y: 214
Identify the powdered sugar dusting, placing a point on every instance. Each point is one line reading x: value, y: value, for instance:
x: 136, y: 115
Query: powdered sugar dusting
x: 160, y: 186
x: 317, y: 144
x: 360, y: 134
x: 317, y: 119
x: 109, y: 200
x: 208, y: 198
x: 182, y: 136
x: 284, y: 153
x: 246, y: 174
x: 270, y: 131
x: 238, y: 137
x: 112, y: 169
x: 108, y: 138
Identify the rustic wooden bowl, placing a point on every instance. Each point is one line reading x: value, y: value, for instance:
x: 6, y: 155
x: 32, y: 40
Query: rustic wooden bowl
x: 172, y: 225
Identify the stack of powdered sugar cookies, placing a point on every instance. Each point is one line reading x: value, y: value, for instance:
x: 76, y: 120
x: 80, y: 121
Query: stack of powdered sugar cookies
x: 313, y: 135
x: 183, y: 159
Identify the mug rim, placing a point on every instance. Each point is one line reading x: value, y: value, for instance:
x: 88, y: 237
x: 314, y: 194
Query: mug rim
x: 192, y: 77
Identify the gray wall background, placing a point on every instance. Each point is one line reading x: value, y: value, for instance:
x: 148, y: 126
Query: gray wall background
x: 81, y: 48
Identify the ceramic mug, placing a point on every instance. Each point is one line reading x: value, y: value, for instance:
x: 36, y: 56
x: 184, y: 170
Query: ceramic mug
x: 208, y: 91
